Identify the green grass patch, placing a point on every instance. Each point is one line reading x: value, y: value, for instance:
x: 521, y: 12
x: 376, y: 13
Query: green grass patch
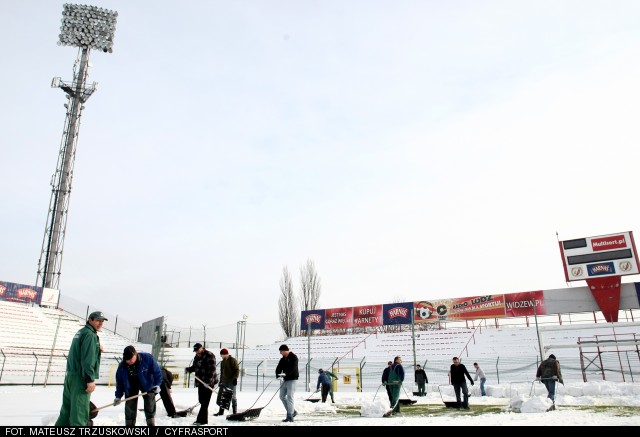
x: 430, y: 410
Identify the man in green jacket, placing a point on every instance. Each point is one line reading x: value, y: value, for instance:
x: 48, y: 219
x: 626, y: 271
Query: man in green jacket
x: 83, y: 368
x: 229, y: 373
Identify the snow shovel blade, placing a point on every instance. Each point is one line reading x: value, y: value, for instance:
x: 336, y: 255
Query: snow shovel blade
x: 388, y: 413
x: 185, y: 412
x: 407, y: 401
x: 451, y: 404
x: 249, y: 414
x: 93, y: 410
x: 312, y: 400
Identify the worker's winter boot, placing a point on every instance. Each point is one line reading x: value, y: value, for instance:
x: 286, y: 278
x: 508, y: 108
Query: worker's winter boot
x: 151, y: 422
x: 130, y: 422
x: 220, y: 412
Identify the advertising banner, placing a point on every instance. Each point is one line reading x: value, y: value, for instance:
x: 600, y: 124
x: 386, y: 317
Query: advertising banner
x: 521, y: 304
x: 476, y: 307
x: 20, y: 292
x: 369, y: 315
x: 50, y: 297
x: 397, y: 313
x: 338, y: 318
x: 430, y: 311
x: 313, y: 318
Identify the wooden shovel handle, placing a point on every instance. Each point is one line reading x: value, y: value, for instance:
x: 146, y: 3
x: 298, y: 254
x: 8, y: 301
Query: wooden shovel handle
x: 205, y: 384
x: 111, y: 404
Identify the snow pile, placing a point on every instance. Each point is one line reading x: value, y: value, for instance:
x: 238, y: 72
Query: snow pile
x: 375, y: 408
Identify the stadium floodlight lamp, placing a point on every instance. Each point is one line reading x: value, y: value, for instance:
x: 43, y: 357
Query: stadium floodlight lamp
x: 87, y: 27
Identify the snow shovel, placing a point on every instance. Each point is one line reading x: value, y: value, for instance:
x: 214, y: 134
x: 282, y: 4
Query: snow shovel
x: 205, y: 384
x: 406, y: 401
x: 94, y: 411
x: 224, y: 398
x: 252, y: 413
x: 224, y: 395
x: 186, y: 412
x: 398, y: 402
x: 448, y: 404
x: 315, y: 399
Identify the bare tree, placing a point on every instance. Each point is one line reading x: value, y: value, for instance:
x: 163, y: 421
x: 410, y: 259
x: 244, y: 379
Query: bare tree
x: 309, y: 286
x: 287, y: 305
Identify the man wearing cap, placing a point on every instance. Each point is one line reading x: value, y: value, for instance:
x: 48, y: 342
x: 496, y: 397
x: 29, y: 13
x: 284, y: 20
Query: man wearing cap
x: 83, y: 368
x: 548, y: 373
x: 385, y: 381
x: 229, y: 373
x: 287, y: 369
x: 138, y: 372
x: 204, y: 364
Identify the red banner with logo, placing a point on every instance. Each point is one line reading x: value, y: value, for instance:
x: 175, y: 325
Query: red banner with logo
x: 369, y: 315
x: 338, y: 318
x: 521, y: 304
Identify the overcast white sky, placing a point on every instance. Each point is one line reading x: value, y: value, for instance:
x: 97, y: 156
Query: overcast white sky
x: 411, y: 149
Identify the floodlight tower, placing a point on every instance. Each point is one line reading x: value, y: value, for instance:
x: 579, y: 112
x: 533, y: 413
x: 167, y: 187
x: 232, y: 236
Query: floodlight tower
x: 85, y: 27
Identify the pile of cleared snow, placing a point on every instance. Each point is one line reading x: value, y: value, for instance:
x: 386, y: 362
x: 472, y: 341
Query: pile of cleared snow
x: 375, y: 408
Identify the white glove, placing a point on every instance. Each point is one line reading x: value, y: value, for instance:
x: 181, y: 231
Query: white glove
x: 155, y: 389
x: 555, y: 377
x: 282, y: 375
x: 116, y: 402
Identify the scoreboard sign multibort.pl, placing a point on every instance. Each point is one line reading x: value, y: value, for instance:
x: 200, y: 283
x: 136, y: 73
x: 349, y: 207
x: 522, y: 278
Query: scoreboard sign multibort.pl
x: 601, y: 256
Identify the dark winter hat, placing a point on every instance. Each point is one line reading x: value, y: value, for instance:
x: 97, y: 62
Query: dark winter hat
x: 224, y: 352
x: 389, y: 363
x: 552, y: 356
x: 97, y: 315
x: 320, y: 370
x: 196, y: 347
x: 129, y: 352
x: 283, y: 347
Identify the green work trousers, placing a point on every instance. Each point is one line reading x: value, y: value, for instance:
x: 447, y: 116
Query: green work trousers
x: 395, y: 396
x: 75, y: 402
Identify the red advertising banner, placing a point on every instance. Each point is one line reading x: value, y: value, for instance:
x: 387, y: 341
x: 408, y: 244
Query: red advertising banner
x: 521, y: 304
x: 430, y: 311
x: 477, y: 307
x: 369, y: 315
x: 338, y: 318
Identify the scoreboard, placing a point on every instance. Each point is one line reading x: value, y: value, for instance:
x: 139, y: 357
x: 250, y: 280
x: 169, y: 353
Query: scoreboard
x: 600, y: 256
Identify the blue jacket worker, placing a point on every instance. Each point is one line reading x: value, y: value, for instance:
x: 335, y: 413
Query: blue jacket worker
x: 138, y: 372
x: 324, y: 382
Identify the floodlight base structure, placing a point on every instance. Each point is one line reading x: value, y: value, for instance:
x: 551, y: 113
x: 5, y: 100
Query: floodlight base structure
x: 77, y: 92
x: 241, y: 331
x: 606, y: 291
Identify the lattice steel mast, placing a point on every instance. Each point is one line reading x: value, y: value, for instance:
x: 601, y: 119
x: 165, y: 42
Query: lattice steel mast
x: 85, y: 27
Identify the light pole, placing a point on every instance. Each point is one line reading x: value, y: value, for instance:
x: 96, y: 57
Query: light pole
x: 413, y: 338
x: 309, y: 322
x: 535, y: 316
x: 85, y: 27
x: 204, y: 339
x: 241, y: 331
